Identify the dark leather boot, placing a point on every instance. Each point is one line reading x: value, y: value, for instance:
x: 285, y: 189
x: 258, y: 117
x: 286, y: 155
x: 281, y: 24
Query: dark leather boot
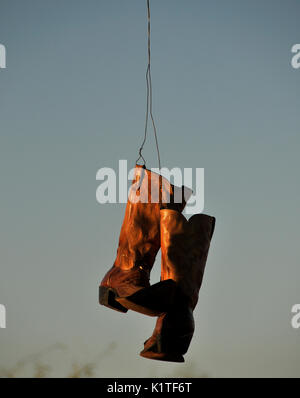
x: 139, y: 239
x: 184, y: 247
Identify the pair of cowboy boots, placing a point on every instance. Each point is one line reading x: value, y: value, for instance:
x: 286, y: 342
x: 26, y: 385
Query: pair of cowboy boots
x: 153, y: 220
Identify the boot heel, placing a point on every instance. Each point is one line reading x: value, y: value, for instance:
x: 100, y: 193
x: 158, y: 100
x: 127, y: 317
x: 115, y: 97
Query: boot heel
x: 107, y: 297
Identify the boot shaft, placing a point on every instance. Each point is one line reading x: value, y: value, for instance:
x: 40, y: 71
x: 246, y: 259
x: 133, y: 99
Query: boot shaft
x: 184, y: 248
x: 139, y: 239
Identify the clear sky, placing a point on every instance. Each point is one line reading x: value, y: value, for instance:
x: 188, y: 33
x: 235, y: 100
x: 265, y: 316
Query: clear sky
x: 72, y: 100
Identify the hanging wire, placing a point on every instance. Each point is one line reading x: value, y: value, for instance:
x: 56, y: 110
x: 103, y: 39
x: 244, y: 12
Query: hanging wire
x: 149, y: 97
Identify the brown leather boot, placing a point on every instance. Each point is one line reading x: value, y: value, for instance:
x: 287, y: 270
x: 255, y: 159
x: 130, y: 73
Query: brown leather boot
x: 184, y: 247
x: 139, y: 239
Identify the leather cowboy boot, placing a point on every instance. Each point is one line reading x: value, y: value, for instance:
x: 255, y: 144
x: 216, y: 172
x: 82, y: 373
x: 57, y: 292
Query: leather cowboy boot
x: 139, y: 239
x: 184, y: 246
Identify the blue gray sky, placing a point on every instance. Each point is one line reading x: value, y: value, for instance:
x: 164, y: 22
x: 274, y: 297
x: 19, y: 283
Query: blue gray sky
x: 72, y: 100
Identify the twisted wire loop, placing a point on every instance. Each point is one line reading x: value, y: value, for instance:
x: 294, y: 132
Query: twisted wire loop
x: 149, y: 99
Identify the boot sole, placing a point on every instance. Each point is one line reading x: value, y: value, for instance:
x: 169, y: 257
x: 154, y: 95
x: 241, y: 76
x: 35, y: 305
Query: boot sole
x: 153, y: 300
x: 125, y: 302
x: 107, y: 297
x: 172, y: 357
